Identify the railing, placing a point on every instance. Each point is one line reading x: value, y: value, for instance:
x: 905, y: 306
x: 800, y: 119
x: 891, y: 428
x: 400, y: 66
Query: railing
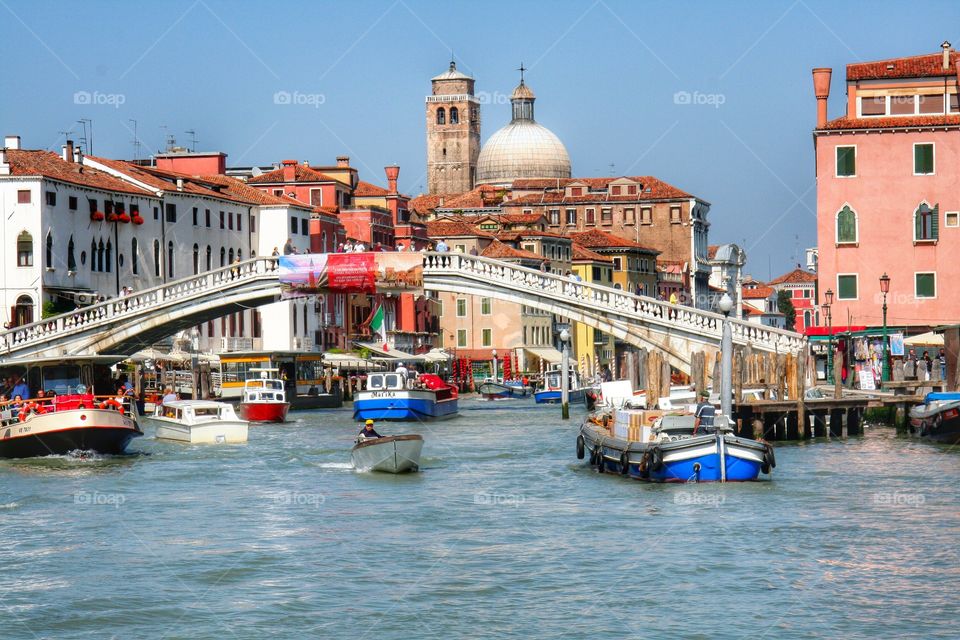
x: 109, y: 312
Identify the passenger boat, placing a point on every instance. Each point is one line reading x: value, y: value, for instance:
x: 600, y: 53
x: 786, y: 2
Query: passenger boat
x: 393, y: 396
x: 199, y: 422
x: 551, y: 391
x: 308, y: 381
x: 264, y: 398
x: 75, y: 418
x: 493, y: 388
x: 393, y: 454
x: 938, y: 418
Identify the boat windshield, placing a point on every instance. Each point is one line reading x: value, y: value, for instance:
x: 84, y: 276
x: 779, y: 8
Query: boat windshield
x: 63, y: 379
x: 206, y: 412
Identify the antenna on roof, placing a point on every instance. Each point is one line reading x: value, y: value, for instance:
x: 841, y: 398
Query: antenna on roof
x: 255, y: 171
x: 136, y: 141
x: 87, y: 139
x: 193, y: 139
x: 612, y: 167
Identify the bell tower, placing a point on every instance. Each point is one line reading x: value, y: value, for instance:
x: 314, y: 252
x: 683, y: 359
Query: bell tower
x: 453, y: 133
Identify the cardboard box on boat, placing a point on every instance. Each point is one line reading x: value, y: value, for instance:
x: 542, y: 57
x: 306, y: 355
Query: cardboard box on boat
x: 635, y: 426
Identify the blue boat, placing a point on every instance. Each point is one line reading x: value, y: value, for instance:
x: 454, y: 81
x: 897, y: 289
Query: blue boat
x: 938, y: 418
x: 672, y: 450
x: 393, y: 396
x: 551, y: 391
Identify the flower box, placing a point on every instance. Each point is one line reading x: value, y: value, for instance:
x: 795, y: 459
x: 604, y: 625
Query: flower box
x: 137, y: 220
x: 124, y: 218
x: 97, y: 216
x: 112, y: 217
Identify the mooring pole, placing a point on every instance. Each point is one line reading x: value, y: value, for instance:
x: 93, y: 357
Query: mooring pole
x: 565, y: 376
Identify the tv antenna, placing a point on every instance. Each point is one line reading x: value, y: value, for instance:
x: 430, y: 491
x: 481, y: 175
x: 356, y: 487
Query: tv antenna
x: 136, y: 141
x: 193, y: 139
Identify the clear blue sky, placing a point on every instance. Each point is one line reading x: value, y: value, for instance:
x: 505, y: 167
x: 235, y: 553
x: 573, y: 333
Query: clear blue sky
x: 605, y: 74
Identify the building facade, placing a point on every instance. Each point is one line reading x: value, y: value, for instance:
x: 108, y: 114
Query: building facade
x: 453, y: 132
x: 802, y: 286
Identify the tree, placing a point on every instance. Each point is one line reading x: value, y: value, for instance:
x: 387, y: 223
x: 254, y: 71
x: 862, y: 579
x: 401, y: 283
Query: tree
x: 785, y: 306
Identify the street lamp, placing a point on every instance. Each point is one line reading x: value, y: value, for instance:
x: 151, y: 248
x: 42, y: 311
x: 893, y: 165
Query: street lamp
x: 885, y: 289
x: 565, y: 376
x: 195, y: 361
x: 726, y: 358
x: 494, y: 365
x: 827, y: 303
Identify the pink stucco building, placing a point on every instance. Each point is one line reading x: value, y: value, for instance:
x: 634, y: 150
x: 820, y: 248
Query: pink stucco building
x: 888, y: 191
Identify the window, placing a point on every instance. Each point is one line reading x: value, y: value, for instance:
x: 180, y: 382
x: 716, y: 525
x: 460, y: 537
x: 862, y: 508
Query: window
x: 454, y: 116
x: 875, y: 106
x: 926, y: 223
x: 51, y: 197
x: 100, y: 252
x: 222, y: 221
x: 930, y: 104
x: 486, y: 337
x: 72, y: 203
x: 134, y: 256
x: 278, y: 192
x: 846, y: 162
x: 615, y: 191
x: 316, y: 197
x: 253, y: 223
x: 902, y: 105
x: 925, y: 285
x: 25, y: 249
x: 632, y: 190
x: 239, y: 223
x: 223, y: 257
x: 294, y: 225
x: 156, y: 258
x: 576, y: 191
x: 107, y: 207
x: 196, y: 216
x: 230, y: 255
x: 49, y: 250
x: 230, y: 220
x: 606, y: 215
x: 170, y: 269
x: 461, y: 307
x: 646, y: 215
x: 304, y: 227
x: 156, y: 213
x: 846, y: 225
x: 461, y: 337
x: 554, y: 216
x: 590, y: 216
x: 572, y: 217
x: 441, y: 116
x: 675, y: 215
x: 209, y: 258
x: 71, y: 256
x: 951, y: 219
x: 196, y: 258
x: 617, y: 264
x: 171, y: 210
x: 23, y: 196
x: 532, y: 248
x: 847, y: 287
x: 485, y: 306
x: 109, y: 256
x: 134, y: 210
x: 629, y: 216
x: 206, y: 217
x: 923, y: 159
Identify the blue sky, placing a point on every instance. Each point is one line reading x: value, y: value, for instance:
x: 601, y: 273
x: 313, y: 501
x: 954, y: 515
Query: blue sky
x: 606, y: 74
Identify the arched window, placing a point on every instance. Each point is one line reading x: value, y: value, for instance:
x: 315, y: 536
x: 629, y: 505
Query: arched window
x: 323, y: 241
x: 170, y: 270
x: 926, y: 223
x: 100, y: 256
x: 209, y: 258
x: 846, y: 225
x: 806, y: 319
x: 25, y: 250
x: 23, y: 312
x: 223, y: 257
x: 441, y: 116
x: 109, y: 256
x: 196, y: 259
x: 156, y: 258
x: 49, y: 250
x: 93, y: 255
x: 230, y: 255
x: 454, y: 115
x: 71, y: 258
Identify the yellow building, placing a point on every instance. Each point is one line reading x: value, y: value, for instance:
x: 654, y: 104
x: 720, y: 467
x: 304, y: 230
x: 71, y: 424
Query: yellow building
x: 591, y: 346
x: 634, y: 265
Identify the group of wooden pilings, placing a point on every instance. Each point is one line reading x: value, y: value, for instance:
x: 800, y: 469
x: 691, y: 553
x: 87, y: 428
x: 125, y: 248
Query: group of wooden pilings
x: 790, y: 420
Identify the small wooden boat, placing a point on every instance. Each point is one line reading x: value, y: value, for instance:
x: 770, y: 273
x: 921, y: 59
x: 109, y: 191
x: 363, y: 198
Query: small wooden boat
x: 551, y: 391
x: 393, y: 396
x: 264, y: 398
x: 199, y: 422
x: 392, y: 454
x: 938, y: 418
x: 493, y: 389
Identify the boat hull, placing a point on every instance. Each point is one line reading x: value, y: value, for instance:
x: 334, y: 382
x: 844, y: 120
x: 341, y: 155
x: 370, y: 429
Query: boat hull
x: 390, y: 454
x: 495, y: 390
x: 99, y: 430
x: 263, y: 411
x: 552, y: 396
x: 938, y: 421
x: 403, y: 405
x: 213, y: 432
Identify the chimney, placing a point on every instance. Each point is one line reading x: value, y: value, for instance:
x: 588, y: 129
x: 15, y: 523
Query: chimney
x: 343, y: 161
x: 306, y: 163
x: 11, y: 142
x: 78, y: 155
x: 289, y: 170
x: 821, y: 89
x: 393, y: 171
x: 179, y: 184
x: 946, y: 55
x: 66, y: 151
x: 4, y: 165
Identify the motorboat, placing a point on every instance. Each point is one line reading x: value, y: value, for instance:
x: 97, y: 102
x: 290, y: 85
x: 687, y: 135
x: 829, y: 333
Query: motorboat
x: 396, y: 396
x: 71, y: 418
x: 495, y: 388
x: 392, y: 454
x: 938, y: 418
x: 264, y: 398
x: 551, y: 391
x: 198, y: 422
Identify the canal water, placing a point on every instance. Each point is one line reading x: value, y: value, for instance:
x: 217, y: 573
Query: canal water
x: 503, y: 534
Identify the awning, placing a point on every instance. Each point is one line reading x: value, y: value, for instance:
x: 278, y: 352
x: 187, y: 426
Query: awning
x: 928, y: 339
x: 349, y: 361
x: 388, y: 354
x: 549, y: 354
x: 436, y: 355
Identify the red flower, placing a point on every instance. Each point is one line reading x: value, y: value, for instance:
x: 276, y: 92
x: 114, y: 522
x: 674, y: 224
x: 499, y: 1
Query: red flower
x: 124, y: 218
x: 96, y: 216
x: 112, y: 217
x: 137, y: 220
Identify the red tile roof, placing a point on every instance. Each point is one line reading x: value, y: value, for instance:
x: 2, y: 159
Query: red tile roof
x: 239, y: 190
x: 797, y: 276
x: 27, y: 162
x: 757, y: 293
x: 426, y: 203
x: 481, y: 197
x: 892, y: 122
x: 922, y: 66
x: 166, y: 180
x: 658, y: 189
x: 301, y: 174
x: 580, y: 252
x: 367, y: 189
x: 597, y: 239
x: 501, y: 251
x: 519, y: 234
x: 454, y: 229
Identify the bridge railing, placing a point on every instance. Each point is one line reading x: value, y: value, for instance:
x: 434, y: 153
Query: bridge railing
x: 642, y: 308
x: 109, y: 311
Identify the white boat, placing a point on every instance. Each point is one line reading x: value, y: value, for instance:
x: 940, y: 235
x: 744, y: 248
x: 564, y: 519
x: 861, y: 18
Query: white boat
x: 393, y: 454
x: 199, y: 422
x: 264, y: 398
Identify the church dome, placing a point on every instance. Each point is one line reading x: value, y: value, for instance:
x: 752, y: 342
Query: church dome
x: 523, y: 148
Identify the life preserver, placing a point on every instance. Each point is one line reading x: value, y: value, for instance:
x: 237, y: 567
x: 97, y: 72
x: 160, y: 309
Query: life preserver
x: 769, y: 460
x: 30, y: 407
x: 656, y: 459
x: 112, y: 403
x: 601, y: 462
x: 580, y: 447
x: 625, y: 463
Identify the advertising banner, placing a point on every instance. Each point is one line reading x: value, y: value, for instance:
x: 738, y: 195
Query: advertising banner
x: 369, y: 272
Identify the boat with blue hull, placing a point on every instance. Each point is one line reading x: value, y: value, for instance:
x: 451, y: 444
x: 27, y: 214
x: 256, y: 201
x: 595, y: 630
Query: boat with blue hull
x: 551, y: 391
x: 938, y: 418
x: 394, y: 396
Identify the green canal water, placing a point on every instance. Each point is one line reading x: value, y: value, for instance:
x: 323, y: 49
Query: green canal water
x: 503, y: 534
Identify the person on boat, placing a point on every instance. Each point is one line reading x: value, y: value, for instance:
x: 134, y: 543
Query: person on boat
x: 703, y: 420
x: 368, y: 431
x: 20, y: 389
x: 168, y: 395
x: 401, y: 371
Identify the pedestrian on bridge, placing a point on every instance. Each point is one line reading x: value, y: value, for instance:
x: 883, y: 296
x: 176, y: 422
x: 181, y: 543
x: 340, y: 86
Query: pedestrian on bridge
x: 288, y: 247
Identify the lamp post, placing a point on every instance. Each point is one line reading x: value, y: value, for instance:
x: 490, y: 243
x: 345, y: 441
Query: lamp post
x: 884, y: 289
x: 827, y: 302
x: 494, y: 352
x: 195, y: 361
x: 726, y: 358
x: 565, y: 376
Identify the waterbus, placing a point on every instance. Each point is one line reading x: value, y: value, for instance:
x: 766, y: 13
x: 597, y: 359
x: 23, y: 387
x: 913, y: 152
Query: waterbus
x: 309, y: 382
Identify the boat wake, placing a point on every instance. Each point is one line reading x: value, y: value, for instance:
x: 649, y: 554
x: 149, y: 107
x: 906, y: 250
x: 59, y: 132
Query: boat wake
x: 342, y: 466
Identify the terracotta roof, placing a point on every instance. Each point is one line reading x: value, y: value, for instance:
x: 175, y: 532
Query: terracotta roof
x: 580, y: 252
x: 166, y: 180
x: 500, y: 250
x: 712, y: 251
x: 368, y: 189
x: 757, y: 293
x: 24, y: 162
x: 330, y: 211
x: 658, y: 189
x: 513, y: 236
x: 240, y: 190
x: 426, y: 203
x: 752, y: 311
x: 453, y: 229
x: 597, y: 239
x: 891, y: 122
x: 301, y: 174
x: 797, y: 276
x: 480, y: 197
x: 923, y: 66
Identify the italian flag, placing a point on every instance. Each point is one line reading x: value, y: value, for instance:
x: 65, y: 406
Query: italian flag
x: 376, y: 323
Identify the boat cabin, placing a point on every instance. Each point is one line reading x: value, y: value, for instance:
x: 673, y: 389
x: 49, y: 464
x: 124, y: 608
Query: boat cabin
x: 390, y: 381
x: 552, y: 382
x: 268, y: 387
x: 195, y: 412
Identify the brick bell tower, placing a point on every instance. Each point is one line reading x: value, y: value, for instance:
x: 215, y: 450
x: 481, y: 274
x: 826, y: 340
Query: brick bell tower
x: 453, y: 133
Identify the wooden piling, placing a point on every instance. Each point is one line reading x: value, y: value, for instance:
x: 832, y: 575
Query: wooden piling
x: 819, y: 424
x: 836, y: 423
x: 853, y: 421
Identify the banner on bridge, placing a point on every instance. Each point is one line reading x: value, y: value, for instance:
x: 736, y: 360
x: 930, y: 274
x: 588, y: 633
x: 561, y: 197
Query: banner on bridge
x: 368, y: 272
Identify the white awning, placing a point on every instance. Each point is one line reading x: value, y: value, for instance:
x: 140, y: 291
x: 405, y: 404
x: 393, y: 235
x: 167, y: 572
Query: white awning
x: 388, y: 354
x: 437, y: 355
x: 928, y: 339
x: 549, y: 354
x: 349, y: 361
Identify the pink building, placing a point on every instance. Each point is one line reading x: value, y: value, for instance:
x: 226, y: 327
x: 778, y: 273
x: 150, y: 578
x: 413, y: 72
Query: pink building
x: 888, y: 191
x: 802, y: 285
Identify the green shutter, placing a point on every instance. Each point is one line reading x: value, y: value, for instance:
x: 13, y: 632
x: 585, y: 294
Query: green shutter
x: 918, y: 224
x: 925, y: 285
x: 923, y: 158
x: 935, y: 223
x: 846, y: 225
x: 846, y: 161
x: 847, y: 287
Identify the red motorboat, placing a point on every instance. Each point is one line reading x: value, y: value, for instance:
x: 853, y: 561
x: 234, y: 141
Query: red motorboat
x: 264, y: 398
